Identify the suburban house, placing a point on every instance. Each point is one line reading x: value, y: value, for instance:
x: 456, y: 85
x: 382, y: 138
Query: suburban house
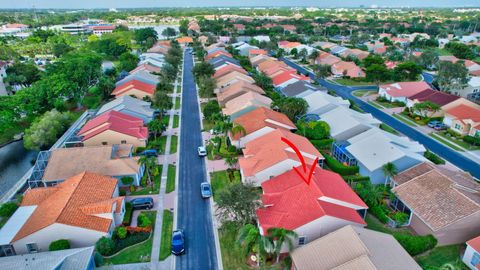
x: 374, y: 148
x: 135, y: 88
x: 437, y: 97
x: 254, y: 52
x: 325, y: 58
x: 131, y: 106
x: 440, y: 202
x: 471, y: 257
x: 245, y: 49
x: 463, y: 119
x: 146, y: 67
x: 353, y: 247
x: 227, y: 69
x: 268, y: 156
x: 402, y: 91
x: 245, y: 103
x: 347, y: 69
x: 319, y: 102
x: 233, y: 77
x: 286, y: 78
x: 357, y: 53
x: 141, y: 75
x: 471, y: 91
x: 300, y: 89
x: 257, y: 60
x: 114, y: 127
x: 311, y: 210
x: 217, y: 53
x: 346, y: 123
x: 82, y: 209
x: 257, y: 123
x: 235, y: 90
x: 269, y: 64
x: 59, y: 164
x: 222, y: 60
x: 75, y: 259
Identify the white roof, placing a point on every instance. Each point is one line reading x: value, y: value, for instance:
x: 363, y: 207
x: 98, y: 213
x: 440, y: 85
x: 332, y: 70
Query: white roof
x: 128, y: 103
x: 374, y: 147
x: 318, y: 100
x: 474, y: 81
x: 262, y: 38
x: 342, y: 119
x: 15, y: 223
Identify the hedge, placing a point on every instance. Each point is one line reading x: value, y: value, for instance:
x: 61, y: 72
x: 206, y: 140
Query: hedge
x: 415, y: 244
x: 127, y: 218
x: 355, y: 178
x: 379, y: 212
x: 130, y: 240
x: 472, y: 140
x: 433, y: 158
x: 338, y: 167
x: 60, y: 244
x: 324, y: 144
x: 7, y: 209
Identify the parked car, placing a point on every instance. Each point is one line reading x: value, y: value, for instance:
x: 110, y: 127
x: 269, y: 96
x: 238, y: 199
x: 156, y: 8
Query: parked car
x: 142, y: 203
x: 178, y: 242
x: 202, y: 151
x: 440, y: 126
x: 432, y: 124
x: 206, y: 190
x: 149, y: 153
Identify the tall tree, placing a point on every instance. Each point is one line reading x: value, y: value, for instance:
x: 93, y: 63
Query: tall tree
x: 452, y: 76
x: 237, y: 203
x: 279, y: 237
x: 389, y: 170
x: 250, y: 239
x: 291, y: 107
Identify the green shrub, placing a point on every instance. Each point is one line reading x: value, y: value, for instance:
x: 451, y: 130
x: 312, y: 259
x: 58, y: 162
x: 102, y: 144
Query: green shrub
x: 416, y: 244
x: 105, y: 246
x: 122, y: 192
x: 140, y: 149
x: 143, y: 181
x: 121, y: 232
x: 433, y: 158
x: 7, y: 209
x: 355, y: 178
x: 127, y: 218
x: 324, y: 144
x: 60, y: 244
x: 338, y: 167
x: 232, y: 149
x: 127, y: 180
x: 379, y: 212
x: 237, y: 176
x: 472, y: 140
x: 143, y: 221
x: 400, y: 218
x: 98, y: 258
x: 131, y: 239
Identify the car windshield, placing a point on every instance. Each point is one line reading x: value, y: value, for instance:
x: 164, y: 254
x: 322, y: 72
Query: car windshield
x: 177, y: 239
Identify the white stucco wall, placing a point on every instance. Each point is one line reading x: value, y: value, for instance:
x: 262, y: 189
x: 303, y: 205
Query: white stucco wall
x: 275, y: 170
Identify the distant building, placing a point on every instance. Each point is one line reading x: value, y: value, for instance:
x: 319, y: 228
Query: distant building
x: 471, y: 257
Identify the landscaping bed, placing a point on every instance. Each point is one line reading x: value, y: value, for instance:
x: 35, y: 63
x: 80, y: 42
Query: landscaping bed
x: 176, y: 121
x: 389, y: 104
x: 171, y: 178
x: 167, y: 228
x: 440, y: 257
x: 173, y: 144
x: 221, y: 179
x: 458, y: 139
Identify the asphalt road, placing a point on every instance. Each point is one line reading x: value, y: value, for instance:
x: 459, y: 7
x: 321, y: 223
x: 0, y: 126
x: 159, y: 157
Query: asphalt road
x: 193, y: 212
x: 445, y: 152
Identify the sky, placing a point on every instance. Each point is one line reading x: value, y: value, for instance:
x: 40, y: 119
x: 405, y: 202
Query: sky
x: 75, y: 4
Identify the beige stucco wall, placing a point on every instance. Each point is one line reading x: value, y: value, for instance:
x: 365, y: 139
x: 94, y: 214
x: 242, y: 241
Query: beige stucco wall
x: 250, y: 137
x: 112, y: 137
x: 78, y: 237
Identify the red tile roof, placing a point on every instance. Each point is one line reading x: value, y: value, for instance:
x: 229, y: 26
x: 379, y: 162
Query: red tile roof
x: 405, y: 89
x: 134, y: 84
x: 475, y: 243
x: 291, y: 203
x: 73, y: 202
x: 116, y: 121
x: 463, y: 111
x: 227, y: 69
x: 260, y: 118
x: 288, y: 75
x: 147, y: 67
x: 437, y: 97
x: 257, y: 52
x: 217, y: 53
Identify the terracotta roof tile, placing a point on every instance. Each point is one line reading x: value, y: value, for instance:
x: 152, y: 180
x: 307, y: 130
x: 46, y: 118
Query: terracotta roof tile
x: 116, y: 121
x: 134, y: 84
x: 463, y: 112
x: 260, y: 118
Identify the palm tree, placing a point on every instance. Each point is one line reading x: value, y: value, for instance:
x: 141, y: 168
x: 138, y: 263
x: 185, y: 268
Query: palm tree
x: 250, y: 239
x: 231, y: 161
x: 279, y: 236
x: 238, y: 129
x: 150, y: 164
x: 389, y: 170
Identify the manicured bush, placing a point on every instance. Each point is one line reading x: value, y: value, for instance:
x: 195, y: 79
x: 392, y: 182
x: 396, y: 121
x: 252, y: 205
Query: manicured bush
x: 98, y: 259
x: 237, y: 176
x: 400, y: 218
x: 232, y: 149
x: 355, y: 178
x: 105, y: 246
x: 324, y: 144
x: 131, y: 239
x: 122, y: 192
x: 121, y: 232
x: 60, y: 244
x: 433, y: 158
x: 127, y: 218
x: 127, y: 180
x: 415, y: 244
x: 338, y: 167
x: 143, y: 221
x: 379, y: 212
x: 7, y: 209
x: 472, y: 140
x: 140, y: 149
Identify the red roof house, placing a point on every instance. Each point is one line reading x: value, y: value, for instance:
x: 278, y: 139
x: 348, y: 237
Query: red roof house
x: 114, y: 127
x: 288, y: 77
x: 402, y: 91
x: 227, y: 69
x: 326, y: 204
x: 134, y: 88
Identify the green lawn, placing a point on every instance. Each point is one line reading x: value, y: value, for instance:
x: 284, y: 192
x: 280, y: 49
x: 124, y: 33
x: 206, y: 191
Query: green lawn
x: 177, y: 103
x: 173, y: 144
x: 376, y: 105
x: 138, y: 253
x: 232, y: 256
x: 351, y: 82
x: 176, y: 121
x: 446, y: 142
x: 361, y: 93
x: 440, y: 256
x: 158, y: 144
x: 442, y: 52
x: 458, y: 141
x: 404, y: 120
x: 387, y: 128
x: 149, y: 190
x: 171, y: 178
x: 167, y: 228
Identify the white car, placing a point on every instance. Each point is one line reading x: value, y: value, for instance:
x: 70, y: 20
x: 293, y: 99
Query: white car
x: 202, y: 151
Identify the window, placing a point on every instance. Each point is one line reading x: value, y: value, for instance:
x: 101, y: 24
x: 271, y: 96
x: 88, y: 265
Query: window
x: 302, y: 240
x: 475, y: 259
x: 123, y: 141
x: 104, y: 143
x: 457, y: 126
x: 32, y: 248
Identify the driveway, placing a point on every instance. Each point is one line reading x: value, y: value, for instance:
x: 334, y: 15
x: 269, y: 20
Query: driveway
x: 454, y: 157
x: 137, y: 212
x: 193, y: 212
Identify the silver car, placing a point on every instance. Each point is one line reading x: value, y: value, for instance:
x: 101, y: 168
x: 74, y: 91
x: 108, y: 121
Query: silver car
x: 202, y: 151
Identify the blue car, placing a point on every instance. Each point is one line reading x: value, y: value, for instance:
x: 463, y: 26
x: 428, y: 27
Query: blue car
x: 206, y: 190
x: 432, y: 124
x: 178, y: 242
x: 149, y: 153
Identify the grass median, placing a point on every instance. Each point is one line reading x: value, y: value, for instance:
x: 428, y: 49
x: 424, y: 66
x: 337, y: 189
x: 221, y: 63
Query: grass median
x: 167, y: 228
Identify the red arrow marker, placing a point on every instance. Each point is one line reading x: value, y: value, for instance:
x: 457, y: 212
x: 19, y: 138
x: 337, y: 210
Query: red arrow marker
x: 302, y: 160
